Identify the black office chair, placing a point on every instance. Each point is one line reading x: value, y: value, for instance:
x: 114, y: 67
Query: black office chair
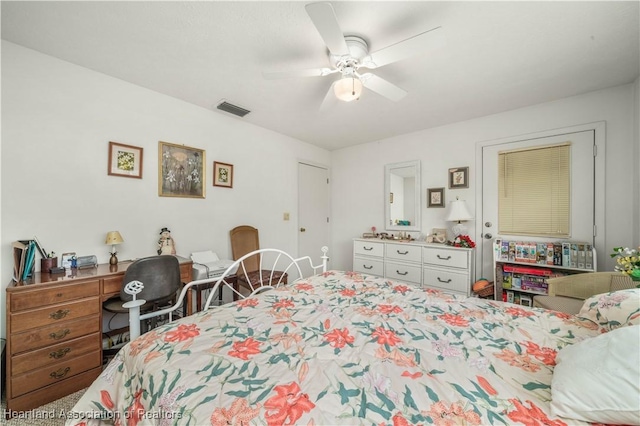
x: 161, y: 278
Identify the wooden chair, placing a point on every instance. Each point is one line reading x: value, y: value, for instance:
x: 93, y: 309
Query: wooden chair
x: 244, y: 240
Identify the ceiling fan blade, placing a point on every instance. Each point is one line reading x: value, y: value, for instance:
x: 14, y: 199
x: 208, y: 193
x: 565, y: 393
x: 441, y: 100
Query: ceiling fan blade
x: 382, y: 87
x: 329, y: 100
x: 317, y: 72
x: 324, y: 18
x: 416, y: 45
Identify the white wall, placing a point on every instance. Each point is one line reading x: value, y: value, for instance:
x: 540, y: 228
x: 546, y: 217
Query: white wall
x: 57, y: 121
x: 636, y: 155
x: 358, y: 172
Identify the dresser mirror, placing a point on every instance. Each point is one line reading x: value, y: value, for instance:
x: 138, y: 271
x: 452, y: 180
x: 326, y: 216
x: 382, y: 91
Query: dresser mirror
x: 402, y: 196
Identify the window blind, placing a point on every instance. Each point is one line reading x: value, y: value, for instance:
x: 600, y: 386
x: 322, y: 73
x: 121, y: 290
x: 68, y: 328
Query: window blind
x: 534, y: 191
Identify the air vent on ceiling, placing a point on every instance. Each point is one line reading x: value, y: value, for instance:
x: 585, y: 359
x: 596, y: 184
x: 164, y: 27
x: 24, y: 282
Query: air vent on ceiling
x: 232, y: 109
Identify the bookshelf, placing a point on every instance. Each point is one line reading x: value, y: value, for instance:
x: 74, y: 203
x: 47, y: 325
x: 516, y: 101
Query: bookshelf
x: 522, y: 268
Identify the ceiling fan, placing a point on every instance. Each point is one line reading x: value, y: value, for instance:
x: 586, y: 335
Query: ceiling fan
x: 349, y: 54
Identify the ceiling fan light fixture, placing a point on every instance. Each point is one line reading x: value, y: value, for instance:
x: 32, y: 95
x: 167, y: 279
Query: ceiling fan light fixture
x: 348, y: 89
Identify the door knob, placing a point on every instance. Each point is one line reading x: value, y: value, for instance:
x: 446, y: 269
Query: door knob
x: 302, y: 229
x: 488, y: 236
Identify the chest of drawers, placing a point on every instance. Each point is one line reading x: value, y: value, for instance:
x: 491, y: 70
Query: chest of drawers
x: 54, y: 332
x: 429, y: 265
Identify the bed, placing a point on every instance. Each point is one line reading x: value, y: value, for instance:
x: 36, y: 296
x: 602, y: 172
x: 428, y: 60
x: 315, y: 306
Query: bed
x: 340, y: 347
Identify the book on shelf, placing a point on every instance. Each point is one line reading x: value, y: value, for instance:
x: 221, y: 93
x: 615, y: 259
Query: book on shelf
x: 23, y: 259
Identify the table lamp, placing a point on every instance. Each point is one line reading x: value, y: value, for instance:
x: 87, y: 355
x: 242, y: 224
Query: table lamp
x: 458, y: 212
x: 113, y: 238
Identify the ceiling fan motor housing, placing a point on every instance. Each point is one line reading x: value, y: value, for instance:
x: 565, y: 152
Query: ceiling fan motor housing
x: 358, y: 49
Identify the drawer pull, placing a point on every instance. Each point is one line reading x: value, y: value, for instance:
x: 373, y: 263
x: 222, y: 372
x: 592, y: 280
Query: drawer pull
x: 402, y: 252
x: 59, y: 314
x: 60, y: 373
x: 443, y: 258
x: 402, y: 273
x: 367, y: 267
x: 60, y: 353
x: 444, y: 281
x: 367, y: 248
x: 59, y: 294
x: 59, y: 335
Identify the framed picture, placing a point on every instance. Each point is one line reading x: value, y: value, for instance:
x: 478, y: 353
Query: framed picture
x: 222, y: 174
x: 459, y: 178
x: 180, y: 171
x: 125, y: 160
x: 66, y: 258
x: 435, y: 197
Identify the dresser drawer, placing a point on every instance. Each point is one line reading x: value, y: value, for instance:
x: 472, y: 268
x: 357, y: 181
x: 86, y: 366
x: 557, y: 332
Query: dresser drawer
x: 54, y: 334
x: 368, y: 266
x: 446, y: 257
x: 402, y: 272
x: 404, y: 252
x: 368, y: 248
x: 111, y: 287
x: 54, y: 314
x: 54, y: 353
x: 54, y: 373
x: 448, y: 280
x: 36, y: 298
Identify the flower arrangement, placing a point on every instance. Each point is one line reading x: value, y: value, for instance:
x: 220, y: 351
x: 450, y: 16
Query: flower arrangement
x: 628, y: 261
x: 462, y: 241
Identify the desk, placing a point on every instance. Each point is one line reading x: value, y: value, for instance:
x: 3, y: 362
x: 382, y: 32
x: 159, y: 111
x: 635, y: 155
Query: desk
x: 54, y: 331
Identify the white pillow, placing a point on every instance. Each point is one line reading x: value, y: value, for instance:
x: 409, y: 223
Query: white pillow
x: 598, y: 379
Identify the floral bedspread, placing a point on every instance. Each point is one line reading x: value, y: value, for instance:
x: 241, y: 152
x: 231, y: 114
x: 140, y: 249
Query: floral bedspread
x: 340, y: 348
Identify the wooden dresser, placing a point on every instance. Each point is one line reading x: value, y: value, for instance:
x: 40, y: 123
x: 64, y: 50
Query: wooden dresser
x: 54, y: 332
x: 428, y: 265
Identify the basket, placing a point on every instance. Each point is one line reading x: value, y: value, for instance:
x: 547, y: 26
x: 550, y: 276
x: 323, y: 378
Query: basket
x: 486, y: 291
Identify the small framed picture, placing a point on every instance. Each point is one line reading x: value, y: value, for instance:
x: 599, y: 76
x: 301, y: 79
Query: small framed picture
x: 435, y: 197
x: 459, y: 178
x: 125, y: 160
x: 222, y: 174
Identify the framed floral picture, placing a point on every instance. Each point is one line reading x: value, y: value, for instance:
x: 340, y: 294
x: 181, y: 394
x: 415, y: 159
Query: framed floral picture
x: 459, y: 178
x: 180, y: 171
x: 125, y: 160
x: 435, y: 197
x: 222, y: 174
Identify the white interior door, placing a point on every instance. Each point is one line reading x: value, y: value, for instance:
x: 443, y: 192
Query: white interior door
x: 582, y: 205
x: 313, y: 210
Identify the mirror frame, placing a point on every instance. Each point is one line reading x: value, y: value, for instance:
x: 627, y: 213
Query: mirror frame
x: 387, y: 190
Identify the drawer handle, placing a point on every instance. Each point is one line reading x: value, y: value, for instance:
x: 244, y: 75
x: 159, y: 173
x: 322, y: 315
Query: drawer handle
x: 402, y: 273
x: 59, y: 294
x: 402, y: 252
x: 368, y: 248
x: 443, y: 258
x: 60, y: 334
x: 444, y: 281
x: 59, y: 353
x: 60, y: 373
x: 59, y: 314
x: 367, y: 267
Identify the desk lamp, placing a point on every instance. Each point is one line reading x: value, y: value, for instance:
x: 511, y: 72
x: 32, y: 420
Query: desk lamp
x: 458, y: 212
x: 113, y: 238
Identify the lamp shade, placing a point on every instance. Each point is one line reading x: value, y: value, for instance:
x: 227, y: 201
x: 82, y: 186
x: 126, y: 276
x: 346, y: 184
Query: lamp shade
x: 458, y: 211
x: 114, y: 237
x: 348, y: 89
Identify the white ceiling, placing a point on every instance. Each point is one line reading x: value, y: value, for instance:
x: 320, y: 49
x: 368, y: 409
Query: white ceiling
x: 498, y: 56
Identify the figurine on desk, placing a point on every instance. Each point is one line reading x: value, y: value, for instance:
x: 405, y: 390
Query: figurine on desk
x: 166, y: 244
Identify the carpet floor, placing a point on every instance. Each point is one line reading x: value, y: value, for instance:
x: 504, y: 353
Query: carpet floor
x: 50, y: 412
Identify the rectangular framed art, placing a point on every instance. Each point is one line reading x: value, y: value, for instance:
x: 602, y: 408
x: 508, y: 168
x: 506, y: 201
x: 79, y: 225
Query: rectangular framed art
x: 459, y: 177
x: 435, y: 197
x: 222, y: 174
x: 180, y: 171
x: 125, y: 160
